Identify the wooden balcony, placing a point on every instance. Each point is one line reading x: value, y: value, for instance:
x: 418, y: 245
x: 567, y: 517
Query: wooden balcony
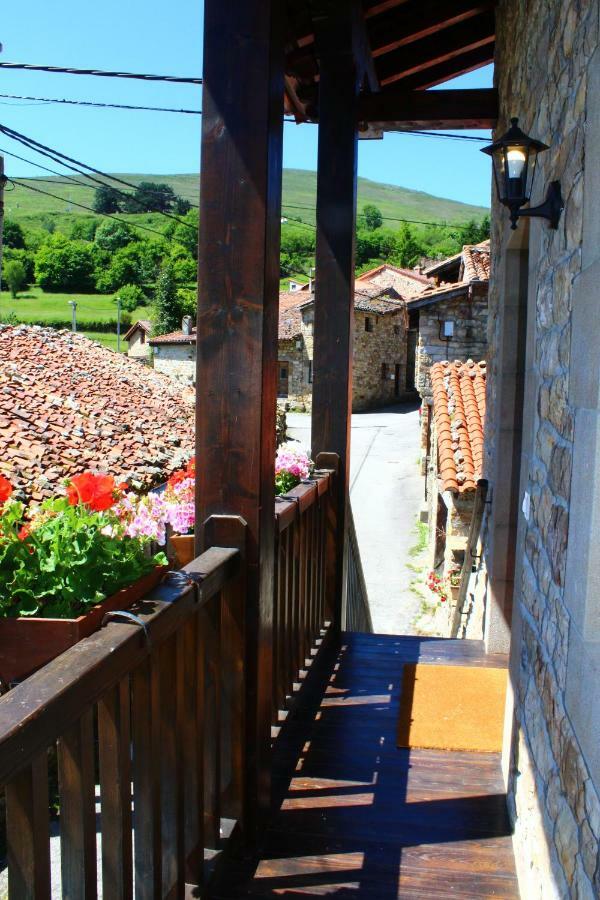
x: 143, y: 737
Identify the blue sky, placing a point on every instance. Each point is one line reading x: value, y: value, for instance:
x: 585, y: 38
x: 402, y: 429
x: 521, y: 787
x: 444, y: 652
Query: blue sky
x: 163, y: 38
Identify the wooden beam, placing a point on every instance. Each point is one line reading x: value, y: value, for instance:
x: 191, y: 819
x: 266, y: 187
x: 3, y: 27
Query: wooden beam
x: 238, y: 266
x: 452, y: 68
x: 419, y: 19
x: 437, y: 48
x: 334, y: 285
x: 400, y: 109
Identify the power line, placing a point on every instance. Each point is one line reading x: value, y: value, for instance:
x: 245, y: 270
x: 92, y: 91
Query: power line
x: 57, y: 156
x: 385, y: 218
x: 439, y: 134
x: 29, y: 67
x: 30, y: 162
x: 189, y: 112
x: 30, y: 187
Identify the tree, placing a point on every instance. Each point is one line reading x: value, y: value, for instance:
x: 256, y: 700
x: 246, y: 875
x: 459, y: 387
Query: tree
x: 182, y: 206
x: 131, y: 296
x: 408, y: 249
x: 474, y: 232
x: 15, y: 276
x: 186, y: 232
x: 372, y: 216
x: 185, y: 269
x: 113, y: 235
x: 63, y: 265
x: 25, y: 257
x: 107, y: 199
x: 150, y: 197
x: 13, y: 235
x: 167, y: 303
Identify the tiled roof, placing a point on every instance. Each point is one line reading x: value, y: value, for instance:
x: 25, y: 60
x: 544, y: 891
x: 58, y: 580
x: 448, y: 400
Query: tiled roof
x: 459, y: 414
x: 174, y: 337
x: 290, y: 317
x: 404, y: 281
x: 476, y: 262
x: 144, y: 324
x: 68, y: 405
x: 372, y: 298
x: 447, y: 291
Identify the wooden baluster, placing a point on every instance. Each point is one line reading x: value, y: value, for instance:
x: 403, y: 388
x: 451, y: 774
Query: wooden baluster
x: 314, y: 584
x: 76, y: 780
x: 114, y: 726
x: 193, y: 751
x: 210, y: 640
x: 285, y: 612
x: 277, y: 617
x: 171, y: 803
x: 146, y: 780
x: 27, y: 832
x: 290, y: 604
x: 233, y: 687
x: 297, y: 595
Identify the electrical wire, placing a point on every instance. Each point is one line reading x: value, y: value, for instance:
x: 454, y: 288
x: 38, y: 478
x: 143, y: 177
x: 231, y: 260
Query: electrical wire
x: 42, y: 100
x: 57, y: 156
x: 385, y: 218
x: 66, y: 179
x: 30, y: 187
x: 64, y: 70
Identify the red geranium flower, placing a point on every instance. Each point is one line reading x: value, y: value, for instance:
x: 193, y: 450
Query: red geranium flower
x: 5, y: 489
x: 24, y: 532
x: 96, y: 491
x: 177, y: 478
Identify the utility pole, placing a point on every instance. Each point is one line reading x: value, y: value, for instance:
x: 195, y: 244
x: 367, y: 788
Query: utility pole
x: 118, y: 301
x: 73, y: 305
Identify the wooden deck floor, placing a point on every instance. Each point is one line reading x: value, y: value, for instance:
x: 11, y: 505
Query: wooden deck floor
x: 354, y: 816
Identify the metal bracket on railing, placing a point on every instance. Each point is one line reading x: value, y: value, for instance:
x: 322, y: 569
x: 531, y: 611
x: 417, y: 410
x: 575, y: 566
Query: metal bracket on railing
x: 184, y: 579
x: 131, y: 617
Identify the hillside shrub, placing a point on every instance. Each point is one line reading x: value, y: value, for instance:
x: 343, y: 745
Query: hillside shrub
x: 113, y: 235
x: 63, y: 265
x: 14, y: 275
x: 131, y: 296
x: 13, y: 235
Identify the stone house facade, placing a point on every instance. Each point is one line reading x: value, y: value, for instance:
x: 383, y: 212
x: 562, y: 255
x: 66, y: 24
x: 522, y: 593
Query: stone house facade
x: 540, y: 574
x: 138, y: 339
x: 174, y: 354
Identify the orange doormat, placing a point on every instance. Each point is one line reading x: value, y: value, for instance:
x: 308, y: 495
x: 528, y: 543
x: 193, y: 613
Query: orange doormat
x: 452, y: 707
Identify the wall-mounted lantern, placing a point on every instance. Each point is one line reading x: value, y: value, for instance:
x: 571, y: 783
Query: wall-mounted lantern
x: 514, y: 157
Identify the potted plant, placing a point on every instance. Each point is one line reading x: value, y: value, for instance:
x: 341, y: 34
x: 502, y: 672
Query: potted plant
x: 63, y: 565
x: 292, y: 465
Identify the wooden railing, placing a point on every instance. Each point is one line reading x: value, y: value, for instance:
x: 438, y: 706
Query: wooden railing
x: 357, y: 613
x: 149, y: 712
x: 137, y: 735
x: 300, y: 609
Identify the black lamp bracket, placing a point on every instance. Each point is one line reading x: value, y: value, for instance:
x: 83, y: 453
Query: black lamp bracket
x: 550, y: 209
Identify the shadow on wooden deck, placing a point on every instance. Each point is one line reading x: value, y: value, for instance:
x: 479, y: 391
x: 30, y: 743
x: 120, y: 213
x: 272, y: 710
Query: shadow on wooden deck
x: 354, y: 816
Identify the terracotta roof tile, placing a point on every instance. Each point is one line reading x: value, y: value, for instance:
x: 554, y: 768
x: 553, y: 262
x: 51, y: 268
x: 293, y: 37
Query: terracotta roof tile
x: 290, y: 317
x: 459, y: 414
x: 476, y: 262
x: 67, y: 405
x: 404, y: 281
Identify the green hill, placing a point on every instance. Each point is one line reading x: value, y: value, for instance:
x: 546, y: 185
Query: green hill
x: 299, y: 190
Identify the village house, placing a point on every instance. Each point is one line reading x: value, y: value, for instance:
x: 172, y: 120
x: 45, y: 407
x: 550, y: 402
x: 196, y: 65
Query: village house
x: 137, y: 338
x: 174, y: 354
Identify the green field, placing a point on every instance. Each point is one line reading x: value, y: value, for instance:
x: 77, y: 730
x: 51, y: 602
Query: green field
x: 299, y: 190
x: 34, y: 305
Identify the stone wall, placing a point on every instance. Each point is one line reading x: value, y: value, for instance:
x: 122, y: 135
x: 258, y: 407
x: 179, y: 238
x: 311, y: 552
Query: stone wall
x: 176, y: 360
x: 138, y: 347
x: 385, y: 346
x: 299, y: 387
x: 470, y: 334
x: 550, y: 78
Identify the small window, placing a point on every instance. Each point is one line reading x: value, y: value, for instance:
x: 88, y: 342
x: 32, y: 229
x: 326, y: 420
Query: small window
x: 396, y: 329
x: 310, y: 371
x: 368, y: 323
x: 143, y: 337
x: 384, y: 371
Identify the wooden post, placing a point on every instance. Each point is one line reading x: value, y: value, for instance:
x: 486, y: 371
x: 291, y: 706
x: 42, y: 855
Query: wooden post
x: 238, y: 274
x: 334, y: 286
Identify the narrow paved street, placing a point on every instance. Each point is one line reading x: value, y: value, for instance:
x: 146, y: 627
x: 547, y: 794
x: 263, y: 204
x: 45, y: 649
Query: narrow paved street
x: 386, y: 492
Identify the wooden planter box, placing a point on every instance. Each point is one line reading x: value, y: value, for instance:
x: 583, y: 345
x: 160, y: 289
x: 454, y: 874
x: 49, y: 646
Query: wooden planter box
x: 29, y: 642
x: 183, y: 548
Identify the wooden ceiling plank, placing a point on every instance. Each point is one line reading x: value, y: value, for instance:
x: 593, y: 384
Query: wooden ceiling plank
x: 452, y: 68
x: 403, y: 110
x: 419, y: 19
x: 437, y: 48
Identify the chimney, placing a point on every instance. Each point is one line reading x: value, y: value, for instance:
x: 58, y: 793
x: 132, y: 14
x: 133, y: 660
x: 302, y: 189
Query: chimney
x: 186, y: 324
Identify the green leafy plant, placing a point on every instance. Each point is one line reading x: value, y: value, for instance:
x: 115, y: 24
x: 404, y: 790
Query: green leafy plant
x: 69, y: 553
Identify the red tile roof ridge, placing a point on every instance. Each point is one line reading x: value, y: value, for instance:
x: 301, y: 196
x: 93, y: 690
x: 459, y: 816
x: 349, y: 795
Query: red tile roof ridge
x: 458, y: 389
